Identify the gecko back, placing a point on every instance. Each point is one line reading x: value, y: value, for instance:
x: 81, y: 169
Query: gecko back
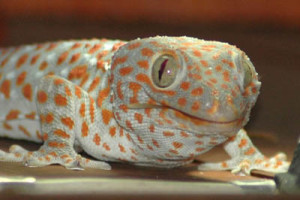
x: 22, y: 67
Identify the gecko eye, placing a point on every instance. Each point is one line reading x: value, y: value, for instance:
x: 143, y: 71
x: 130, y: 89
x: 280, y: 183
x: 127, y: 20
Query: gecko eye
x: 164, y: 71
x: 248, y: 72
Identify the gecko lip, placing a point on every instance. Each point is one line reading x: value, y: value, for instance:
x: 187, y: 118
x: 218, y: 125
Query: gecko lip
x: 184, y: 116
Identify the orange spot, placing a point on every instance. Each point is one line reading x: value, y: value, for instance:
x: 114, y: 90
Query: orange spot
x: 58, y: 81
x: 199, y: 149
x: 74, y: 58
x: 43, y: 65
x: 67, y: 121
x: 53, y: 154
x: 112, y: 131
x: 95, y: 48
x: 208, y: 72
x: 184, y: 134
x: 149, y: 147
x: 124, y: 71
x: 133, y: 45
x: 138, y: 117
x: 122, y: 148
x: 56, y: 144
x: 38, y: 135
x: 45, y: 137
x: 117, y: 46
x: 82, y: 110
x: 3, y: 63
x: 27, y: 92
x: 24, y: 130
x: 168, y: 134
x: 204, y: 63
x: 224, y: 165
x: 185, y: 85
x: 155, y: 143
x: 135, y: 89
x: 173, y: 151
x: 226, y: 76
x: 197, y: 53
x: 182, y: 101
x: 51, y: 46
x: 34, y: 59
x: 196, y: 106
x: 13, y: 114
x: 49, y: 118
x: 85, y: 77
x: 143, y: 64
x: 250, y: 151
x: 94, y: 84
x: 106, y: 116
x: 120, y: 60
x: 42, y: 96
x: 106, y: 147
x: 62, y: 57
x: 198, y: 142
x: 121, y: 132
x: 101, y: 54
x: 129, y: 125
x: 97, y: 139
x: 147, y: 52
x: 195, y: 76
x: 119, y: 90
x: 60, y: 100
x: 21, y: 78
x: 143, y: 78
x: 231, y: 64
x: 61, y: 133
x: 197, y: 92
x: 151, y: 128
x: 5, y: 88
x: 177, y: 145
x: 84, y: 129
x: 103, y: 94
x: 92, y: 109
x: 7, y: 126
x: 68, y: 91
x: 76, y: 45
x: 77, y: 72
x: 128, y: 137
x: 218, y: 68
x: 22, y: 60
x: 213, y: 80
x: 78, y: 91
x: 278, y: 163
x: 140, y: 139
x: 243, y: 143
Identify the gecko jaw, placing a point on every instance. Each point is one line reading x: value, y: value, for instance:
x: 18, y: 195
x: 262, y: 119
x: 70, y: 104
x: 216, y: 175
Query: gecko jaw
x: 184, y: 116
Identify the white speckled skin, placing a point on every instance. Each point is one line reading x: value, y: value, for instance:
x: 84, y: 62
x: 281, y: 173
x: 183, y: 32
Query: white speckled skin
x: 108, y: 98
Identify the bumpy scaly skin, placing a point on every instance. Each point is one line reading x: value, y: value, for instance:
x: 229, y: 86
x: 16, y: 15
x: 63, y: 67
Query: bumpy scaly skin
x: 100, y: 96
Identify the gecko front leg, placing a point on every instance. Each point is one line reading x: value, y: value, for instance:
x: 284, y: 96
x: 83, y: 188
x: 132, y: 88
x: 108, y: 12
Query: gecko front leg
x: 58, y: 101
x: 246, y: 157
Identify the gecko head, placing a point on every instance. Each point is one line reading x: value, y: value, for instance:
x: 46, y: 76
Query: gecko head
x: 183, y: 83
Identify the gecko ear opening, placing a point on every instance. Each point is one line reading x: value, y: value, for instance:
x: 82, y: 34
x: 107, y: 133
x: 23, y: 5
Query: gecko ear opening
x: 164, y: 71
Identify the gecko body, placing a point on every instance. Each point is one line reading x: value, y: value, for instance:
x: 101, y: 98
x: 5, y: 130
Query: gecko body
x: 157, y: 101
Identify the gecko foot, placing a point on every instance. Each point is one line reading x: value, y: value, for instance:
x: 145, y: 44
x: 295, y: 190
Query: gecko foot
x: 45, y: 157
x: 244, y: 166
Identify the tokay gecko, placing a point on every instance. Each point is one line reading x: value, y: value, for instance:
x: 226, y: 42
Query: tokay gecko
x: 156, y: 102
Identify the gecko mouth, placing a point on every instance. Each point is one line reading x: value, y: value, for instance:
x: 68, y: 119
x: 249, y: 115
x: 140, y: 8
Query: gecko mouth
x: 184, y: 116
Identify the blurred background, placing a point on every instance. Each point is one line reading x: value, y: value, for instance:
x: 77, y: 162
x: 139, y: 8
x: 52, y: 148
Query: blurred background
x: 267, y: 30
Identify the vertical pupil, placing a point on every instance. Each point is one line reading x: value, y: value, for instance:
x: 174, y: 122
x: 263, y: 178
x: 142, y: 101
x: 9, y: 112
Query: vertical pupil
x: 162, y: 68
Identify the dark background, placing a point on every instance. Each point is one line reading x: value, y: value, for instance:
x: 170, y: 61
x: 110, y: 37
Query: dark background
x: 268, y: 31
